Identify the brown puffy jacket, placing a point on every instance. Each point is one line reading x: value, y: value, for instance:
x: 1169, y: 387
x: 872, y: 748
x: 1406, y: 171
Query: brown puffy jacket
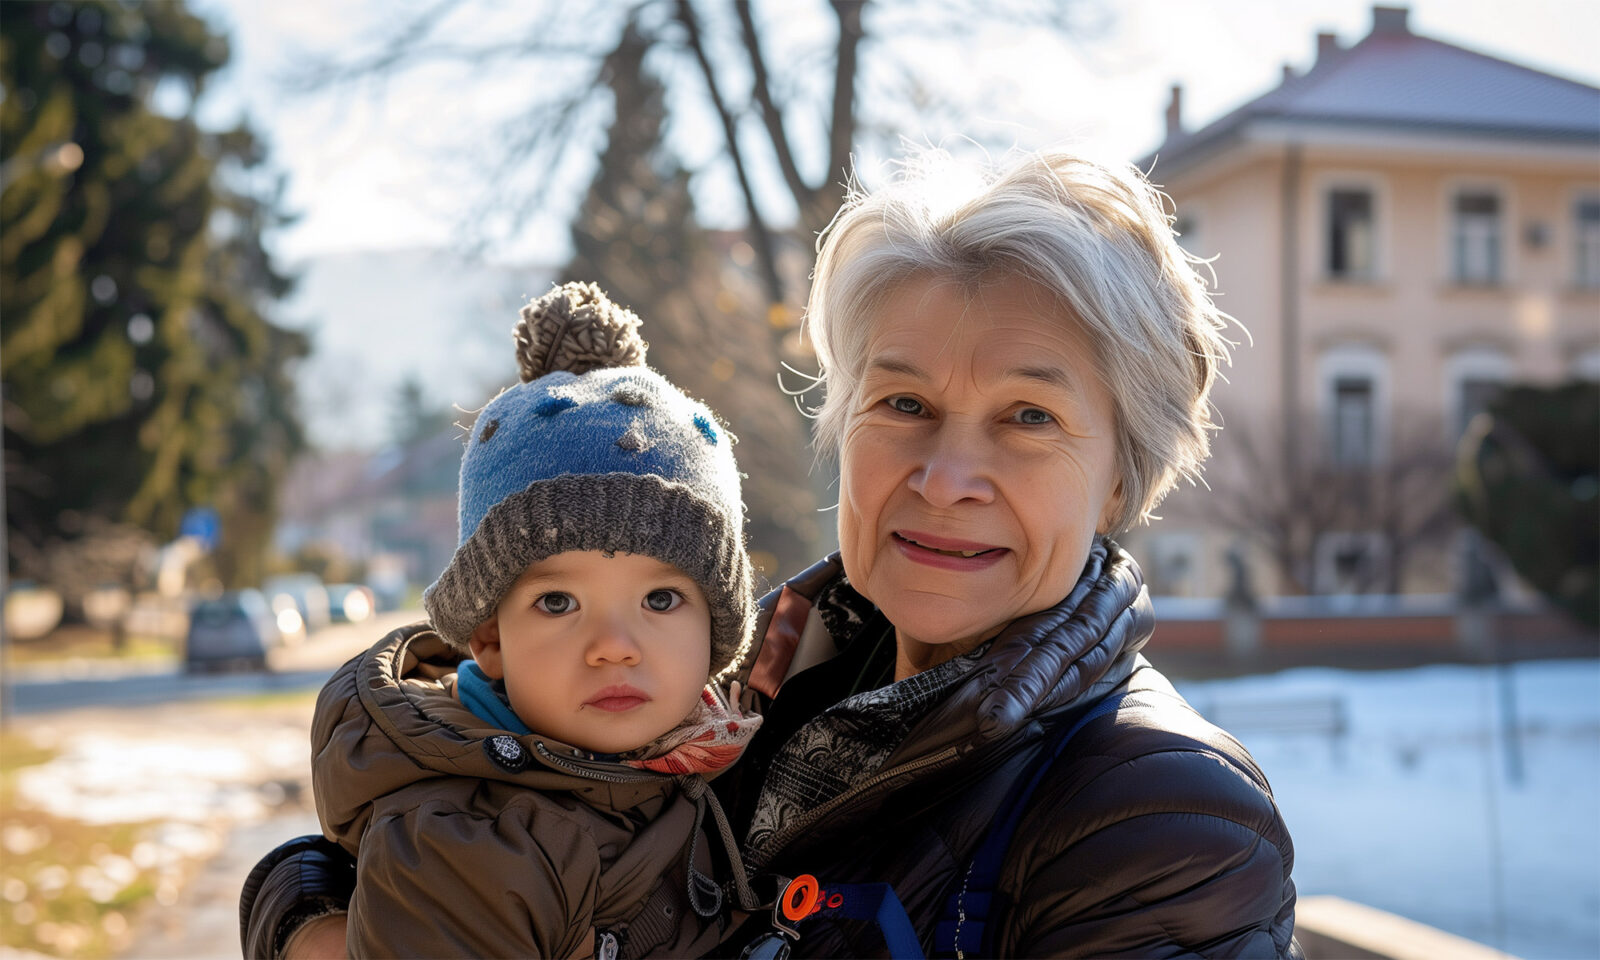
x: 475, y: 843
x: 1154, y: 833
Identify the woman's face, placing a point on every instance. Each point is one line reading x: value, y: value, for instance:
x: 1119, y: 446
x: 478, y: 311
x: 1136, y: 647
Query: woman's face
x: 976, y: 465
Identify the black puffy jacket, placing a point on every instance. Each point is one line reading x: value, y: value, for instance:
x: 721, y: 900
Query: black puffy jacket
x: 1154, y: 834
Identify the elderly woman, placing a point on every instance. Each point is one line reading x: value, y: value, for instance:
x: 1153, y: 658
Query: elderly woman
x: 1016, y: 368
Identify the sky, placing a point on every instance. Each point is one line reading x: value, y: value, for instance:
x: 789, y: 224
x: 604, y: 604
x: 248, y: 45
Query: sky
x: 374, y: 171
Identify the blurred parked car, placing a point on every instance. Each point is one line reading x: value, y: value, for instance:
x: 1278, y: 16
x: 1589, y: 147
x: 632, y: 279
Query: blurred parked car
x: 237, y: 627
x: 350, y: 602
x: 305, y: 591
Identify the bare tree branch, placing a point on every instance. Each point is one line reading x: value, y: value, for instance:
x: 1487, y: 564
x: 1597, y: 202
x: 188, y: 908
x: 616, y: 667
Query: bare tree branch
x: 395, y: 52
x: 842, y: 125
x: 760, y: 236
x: 538, y: 142
x: 549, y: 126
x: 771, y: 115
x: 1287, y: 508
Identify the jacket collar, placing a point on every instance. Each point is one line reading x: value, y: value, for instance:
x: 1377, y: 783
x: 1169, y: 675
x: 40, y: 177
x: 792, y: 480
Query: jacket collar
x: 1054, y: 662
x: 1038, y: 665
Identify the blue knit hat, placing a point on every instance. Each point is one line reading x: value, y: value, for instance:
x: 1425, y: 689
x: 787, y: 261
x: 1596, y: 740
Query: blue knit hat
x: 595, y: 451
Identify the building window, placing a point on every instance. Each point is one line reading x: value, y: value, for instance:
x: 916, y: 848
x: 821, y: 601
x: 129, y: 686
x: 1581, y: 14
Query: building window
x: 1476, y: 237
x: 1187, y: 226
x: 1586, y: 230
x: 1186, y: 230
x: 1352, y: 421
x: 1353, y: 396
x: 1350, y: 234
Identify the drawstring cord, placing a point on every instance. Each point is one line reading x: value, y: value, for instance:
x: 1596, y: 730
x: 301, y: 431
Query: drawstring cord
x: 699, y: 791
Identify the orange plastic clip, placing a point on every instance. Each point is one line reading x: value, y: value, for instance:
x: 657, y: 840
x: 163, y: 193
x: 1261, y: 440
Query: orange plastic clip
x: 800, y: 897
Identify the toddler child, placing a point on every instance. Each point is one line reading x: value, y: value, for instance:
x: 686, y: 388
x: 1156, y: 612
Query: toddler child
x: 546, y: 796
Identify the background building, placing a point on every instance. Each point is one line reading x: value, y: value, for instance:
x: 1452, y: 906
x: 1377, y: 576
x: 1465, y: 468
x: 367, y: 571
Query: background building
x: 1401, y: 229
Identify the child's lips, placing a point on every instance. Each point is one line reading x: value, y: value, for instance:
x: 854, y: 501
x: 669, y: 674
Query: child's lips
x: 617, y: 698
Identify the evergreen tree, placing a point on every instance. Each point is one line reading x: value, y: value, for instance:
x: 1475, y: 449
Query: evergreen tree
x: 637, y: 237
x: 635, y: 233
x: 1529, y: 479
x: 142, y: 375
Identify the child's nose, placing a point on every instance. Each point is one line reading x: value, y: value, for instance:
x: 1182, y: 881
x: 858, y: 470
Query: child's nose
x: 612, y: 644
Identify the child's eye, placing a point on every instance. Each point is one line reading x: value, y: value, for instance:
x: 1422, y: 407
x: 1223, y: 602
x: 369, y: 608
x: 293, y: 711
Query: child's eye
x: 1033, y: 416
x: 905, y: 405
x: 556, y: 603
x: 663, y: 600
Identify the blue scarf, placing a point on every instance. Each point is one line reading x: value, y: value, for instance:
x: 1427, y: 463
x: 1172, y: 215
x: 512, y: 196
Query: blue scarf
x: 479, y: 694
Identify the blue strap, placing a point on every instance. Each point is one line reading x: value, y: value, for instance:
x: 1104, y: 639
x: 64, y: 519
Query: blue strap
x: 876, y: 902
x: 967, y: 910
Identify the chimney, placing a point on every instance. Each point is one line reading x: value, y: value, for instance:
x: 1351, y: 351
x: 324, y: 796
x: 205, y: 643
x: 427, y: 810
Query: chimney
x: 1175, y: 111
x: 1327, y: 48
x: 1390, y: 21
x: 1288, y: 73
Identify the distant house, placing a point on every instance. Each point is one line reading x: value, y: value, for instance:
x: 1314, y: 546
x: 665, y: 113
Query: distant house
x: 1401, y: 228
x: 393, y: 511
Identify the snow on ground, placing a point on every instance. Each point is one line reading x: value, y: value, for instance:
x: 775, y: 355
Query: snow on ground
x: 194, y: 771
x: 110, y: 778
x: 1419, y: 809
x: 200, y: 776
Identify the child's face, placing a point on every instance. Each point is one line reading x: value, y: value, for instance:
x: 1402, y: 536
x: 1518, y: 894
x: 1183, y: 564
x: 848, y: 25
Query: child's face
x: 603, y: 653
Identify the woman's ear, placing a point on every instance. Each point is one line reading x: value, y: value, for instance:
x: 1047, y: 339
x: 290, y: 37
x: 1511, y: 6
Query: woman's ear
x: 1109, y: 510
x: 485, y: 646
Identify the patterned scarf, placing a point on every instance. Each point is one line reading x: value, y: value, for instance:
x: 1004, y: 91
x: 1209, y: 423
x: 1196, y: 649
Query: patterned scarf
x: 713, y: 735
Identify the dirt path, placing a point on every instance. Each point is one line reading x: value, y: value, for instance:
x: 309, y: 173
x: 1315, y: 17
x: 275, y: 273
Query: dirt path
x: 204, y: 923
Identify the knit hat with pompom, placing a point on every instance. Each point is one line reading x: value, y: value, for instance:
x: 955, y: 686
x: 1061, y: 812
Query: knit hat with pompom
x: 595, y: 451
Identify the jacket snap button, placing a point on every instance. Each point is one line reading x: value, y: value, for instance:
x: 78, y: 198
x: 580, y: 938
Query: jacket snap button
x: 506, y: 753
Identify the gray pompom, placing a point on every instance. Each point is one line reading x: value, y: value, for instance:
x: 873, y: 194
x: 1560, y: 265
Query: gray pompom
x: 577, y: 328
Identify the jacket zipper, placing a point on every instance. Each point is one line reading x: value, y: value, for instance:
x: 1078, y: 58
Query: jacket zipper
x: 583, y: 771
x: 782, y: 838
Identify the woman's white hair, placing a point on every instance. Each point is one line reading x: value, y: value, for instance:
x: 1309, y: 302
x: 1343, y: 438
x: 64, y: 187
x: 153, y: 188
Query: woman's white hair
x: 1098, y: 239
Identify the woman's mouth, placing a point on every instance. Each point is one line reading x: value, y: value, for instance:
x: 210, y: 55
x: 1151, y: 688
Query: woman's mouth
x: 945, y: 553
x: 617, y: 698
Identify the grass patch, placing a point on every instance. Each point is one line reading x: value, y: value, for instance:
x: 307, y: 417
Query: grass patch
x: 71, y: 889
x: 86, y: 643
x: 18, y: 751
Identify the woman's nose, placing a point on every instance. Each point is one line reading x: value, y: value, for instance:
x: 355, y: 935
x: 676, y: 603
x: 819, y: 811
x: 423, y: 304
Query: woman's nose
x: 954, y: 468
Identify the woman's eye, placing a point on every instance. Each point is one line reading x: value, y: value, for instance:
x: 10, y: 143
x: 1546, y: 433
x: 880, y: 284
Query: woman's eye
x: 556, y: 604
x: 905, y: 405
x: 662, y: 600
x: 1033, y: 416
